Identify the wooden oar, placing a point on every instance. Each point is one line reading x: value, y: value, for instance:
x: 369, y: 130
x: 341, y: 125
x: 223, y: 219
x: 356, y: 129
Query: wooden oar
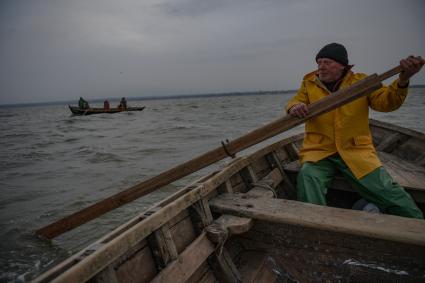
x: 339, y: 98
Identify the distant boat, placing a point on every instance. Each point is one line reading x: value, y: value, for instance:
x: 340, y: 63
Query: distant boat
x: 90, y: 111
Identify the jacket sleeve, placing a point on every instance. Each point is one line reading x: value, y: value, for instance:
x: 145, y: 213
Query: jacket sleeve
x: 388, y: 98
x: 300, y: 97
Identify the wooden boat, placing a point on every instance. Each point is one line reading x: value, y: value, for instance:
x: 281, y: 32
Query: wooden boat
x: 243, y: 224
x: 78, y: 111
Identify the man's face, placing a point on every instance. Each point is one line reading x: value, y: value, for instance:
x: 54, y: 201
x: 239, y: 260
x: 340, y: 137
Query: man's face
x: 329, y: 70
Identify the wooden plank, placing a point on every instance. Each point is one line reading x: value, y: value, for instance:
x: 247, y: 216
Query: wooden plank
x: 226, y: 271
x: 200, y: 214
x: 290, y: 188
x: 281, y: 152
x: 207, y: 278
x: 183, y: 234
x: 240, y: 188
x: 248, y: 177
x: 292, y: 167
x: 394, y: 128
x: 203, y: 210
x: 390, y: 142
x: 261, y: 167
x: 254, y: 268
x: 178, y: 218
x: 405, y: 173
x: 235, y: 179
x: 262, y: 191
x: 130, y: 270
x: 202, y: 275
x: 234, y: 224
x: 188, y: 262
x: 380, y: 226
x: 312, y: 255
x: 228, y: 187
x: 165, y: 244
x: 108, y: 275
x: 292, y: 150
x: 331, y: 102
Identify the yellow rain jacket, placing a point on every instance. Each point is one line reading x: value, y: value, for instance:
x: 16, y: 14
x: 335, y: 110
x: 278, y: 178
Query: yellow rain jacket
x: 345, y: 130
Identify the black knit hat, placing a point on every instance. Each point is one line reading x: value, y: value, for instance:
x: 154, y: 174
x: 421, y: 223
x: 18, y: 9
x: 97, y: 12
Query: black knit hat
x: 334, y: 51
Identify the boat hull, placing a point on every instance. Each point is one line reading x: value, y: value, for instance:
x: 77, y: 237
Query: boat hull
x: 243, y: 224
x: 91, y: 111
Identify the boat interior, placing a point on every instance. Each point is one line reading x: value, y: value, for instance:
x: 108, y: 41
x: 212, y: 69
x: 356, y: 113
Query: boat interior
x: 243, y: 224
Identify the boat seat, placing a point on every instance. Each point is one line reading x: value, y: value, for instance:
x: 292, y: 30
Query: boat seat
x: 408, y: 175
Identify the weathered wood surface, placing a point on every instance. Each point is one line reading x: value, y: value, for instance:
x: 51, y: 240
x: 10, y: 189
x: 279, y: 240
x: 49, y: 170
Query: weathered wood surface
x: 221, y: 229
x: 407, y: 174
x: 202, y: 275
x: 163, y: 246
x: 392, y: 128
x: 313, y: 255
x: 379, y: 226
x: 188, y: 262
x: 341, y: 97
x: 129, y: 270
x: 108, y: 275
x: 234, y: 224
x: 391, y: 142
x: 224, y: 268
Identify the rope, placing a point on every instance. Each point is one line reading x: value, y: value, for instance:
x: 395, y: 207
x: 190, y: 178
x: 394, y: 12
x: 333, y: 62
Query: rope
x: 265, y: 185
x: 232, y: 155
x: 217, y: 233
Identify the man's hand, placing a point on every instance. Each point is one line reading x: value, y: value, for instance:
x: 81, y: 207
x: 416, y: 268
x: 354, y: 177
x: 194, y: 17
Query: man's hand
x: 299, y: 110
x: 411, y: 65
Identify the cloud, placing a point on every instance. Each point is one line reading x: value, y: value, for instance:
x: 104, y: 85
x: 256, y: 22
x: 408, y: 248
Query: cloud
x: 59, y: 50
x: 190, y: 8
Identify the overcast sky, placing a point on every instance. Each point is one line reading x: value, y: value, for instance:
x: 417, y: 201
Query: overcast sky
x: 57, y: 50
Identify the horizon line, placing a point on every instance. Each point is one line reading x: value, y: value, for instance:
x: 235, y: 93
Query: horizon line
x: 162, y: 97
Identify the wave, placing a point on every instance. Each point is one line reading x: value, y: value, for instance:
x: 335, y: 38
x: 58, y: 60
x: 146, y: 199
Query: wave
x: 101, y: 157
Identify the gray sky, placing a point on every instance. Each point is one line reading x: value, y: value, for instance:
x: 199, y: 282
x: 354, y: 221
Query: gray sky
x: 56, y: 50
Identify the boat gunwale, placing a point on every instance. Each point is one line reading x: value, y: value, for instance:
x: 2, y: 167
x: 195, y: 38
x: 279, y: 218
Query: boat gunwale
x: 395, y: 128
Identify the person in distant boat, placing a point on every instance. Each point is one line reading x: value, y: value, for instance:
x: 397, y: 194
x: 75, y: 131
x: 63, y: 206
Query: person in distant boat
x: 341, y: 141
x: 83, y: 104
x: 106, y: 105
x: 123, y: 103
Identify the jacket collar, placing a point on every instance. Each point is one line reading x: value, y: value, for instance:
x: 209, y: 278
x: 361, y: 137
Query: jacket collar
x: 314, y: 78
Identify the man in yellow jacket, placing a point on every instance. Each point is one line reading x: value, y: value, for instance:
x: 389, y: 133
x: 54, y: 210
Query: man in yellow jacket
x: 340, y: 140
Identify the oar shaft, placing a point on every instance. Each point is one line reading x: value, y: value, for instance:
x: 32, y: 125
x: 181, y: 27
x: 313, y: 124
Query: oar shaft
x: 388, y: 74
x: 280, y: 125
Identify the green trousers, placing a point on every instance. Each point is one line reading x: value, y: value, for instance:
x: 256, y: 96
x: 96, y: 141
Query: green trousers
x: 376, y: 187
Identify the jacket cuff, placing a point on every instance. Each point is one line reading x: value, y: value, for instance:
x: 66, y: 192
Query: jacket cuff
x: 400, y: 90
x: 290, y: 105
x: 402, y: 87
